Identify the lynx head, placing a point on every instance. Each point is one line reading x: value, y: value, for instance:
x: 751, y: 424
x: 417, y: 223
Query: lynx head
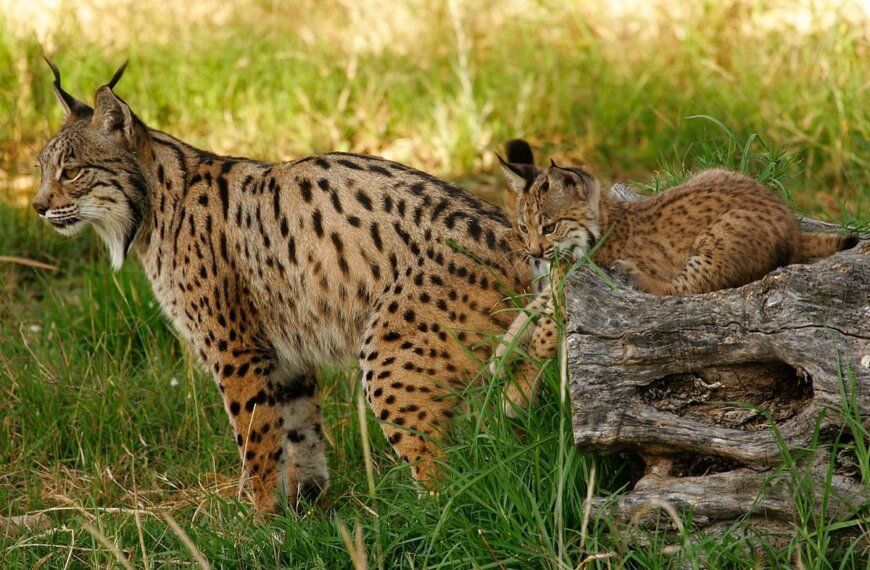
x: 91, y: 171
x: 557, y: 209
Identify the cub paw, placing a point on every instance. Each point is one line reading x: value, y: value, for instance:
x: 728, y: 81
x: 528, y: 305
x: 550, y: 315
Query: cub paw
x: 626, y: 271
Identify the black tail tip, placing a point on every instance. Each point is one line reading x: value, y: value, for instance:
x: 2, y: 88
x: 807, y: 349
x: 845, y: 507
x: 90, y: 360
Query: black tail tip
x: 850, y: 241
x: 519, y: 152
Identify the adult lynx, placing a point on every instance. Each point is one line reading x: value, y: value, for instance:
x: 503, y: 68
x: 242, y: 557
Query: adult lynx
x: 268, y: 270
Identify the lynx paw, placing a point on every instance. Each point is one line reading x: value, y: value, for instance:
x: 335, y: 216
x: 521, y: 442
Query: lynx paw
x: 626, y: 271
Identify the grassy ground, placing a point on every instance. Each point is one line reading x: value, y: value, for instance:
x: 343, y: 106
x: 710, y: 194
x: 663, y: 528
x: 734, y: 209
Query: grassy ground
x: 109, y: 434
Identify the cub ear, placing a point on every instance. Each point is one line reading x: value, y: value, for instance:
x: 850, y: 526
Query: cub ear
x: 572, y: 183
x: 518, y: 176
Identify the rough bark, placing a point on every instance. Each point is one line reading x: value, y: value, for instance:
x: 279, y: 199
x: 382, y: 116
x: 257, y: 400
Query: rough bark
x: 695, y: 384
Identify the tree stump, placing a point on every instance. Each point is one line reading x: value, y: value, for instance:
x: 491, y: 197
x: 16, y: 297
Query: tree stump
x: 709, y: 390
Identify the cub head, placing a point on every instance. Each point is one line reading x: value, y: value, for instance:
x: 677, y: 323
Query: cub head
x: 91, y: 171
x: 557, y: 209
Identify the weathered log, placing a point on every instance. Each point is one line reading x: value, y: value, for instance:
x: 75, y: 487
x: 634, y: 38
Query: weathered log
x: 695, y: 384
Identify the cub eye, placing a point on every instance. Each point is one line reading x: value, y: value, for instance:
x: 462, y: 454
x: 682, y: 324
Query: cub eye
x: 548, y: 229
x: 522, y: 227
x: 70, y: 173
x: 545, y: 186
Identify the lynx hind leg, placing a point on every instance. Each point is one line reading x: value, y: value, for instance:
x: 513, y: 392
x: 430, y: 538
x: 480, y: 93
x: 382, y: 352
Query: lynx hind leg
x: 739, y: 248
x: 522, y: 392
x: 412, y: 371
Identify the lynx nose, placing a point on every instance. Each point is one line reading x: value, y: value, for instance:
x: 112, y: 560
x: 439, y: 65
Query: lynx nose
x: 40, y: 207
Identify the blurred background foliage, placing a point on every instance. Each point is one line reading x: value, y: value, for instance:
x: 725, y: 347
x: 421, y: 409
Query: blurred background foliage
x: 441, y: 84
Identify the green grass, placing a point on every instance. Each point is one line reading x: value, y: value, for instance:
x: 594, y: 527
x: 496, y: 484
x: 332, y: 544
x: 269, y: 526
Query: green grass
x: 110, y: 431
x: 108, y: 428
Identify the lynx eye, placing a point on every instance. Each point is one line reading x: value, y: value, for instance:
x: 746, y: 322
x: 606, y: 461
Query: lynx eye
x: 548, y: 229
x: 545, y: 186
x: 523, y: 227
x: 68, y: 174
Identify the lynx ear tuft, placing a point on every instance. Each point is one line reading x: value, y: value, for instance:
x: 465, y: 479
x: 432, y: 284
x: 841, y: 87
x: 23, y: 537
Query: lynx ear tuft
x: 73, y: 108
x: 117, y: 76
x: 519, y: 152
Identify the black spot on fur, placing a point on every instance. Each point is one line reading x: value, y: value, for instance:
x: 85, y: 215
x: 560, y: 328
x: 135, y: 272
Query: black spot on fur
x: 364, y: 200
x: 224, y: 192
x: 317, y: 220
x: 349, y: 164
x: 305, y: 189
x: 376, y: 237
x: 380, y: 170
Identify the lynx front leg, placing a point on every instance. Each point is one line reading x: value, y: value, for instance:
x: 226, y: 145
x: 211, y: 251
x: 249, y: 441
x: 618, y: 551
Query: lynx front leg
x: 306, y: 474
x: 276, y: 420
x: 245, y: 386
x: 521, y: 328
x: 523, y: 391
x: 535, y: 324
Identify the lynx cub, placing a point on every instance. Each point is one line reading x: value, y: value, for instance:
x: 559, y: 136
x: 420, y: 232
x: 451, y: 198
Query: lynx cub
x: 268, y: 270
x: 719, y: 229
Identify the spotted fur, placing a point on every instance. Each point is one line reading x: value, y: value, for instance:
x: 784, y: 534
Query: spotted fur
x: 270, y: 270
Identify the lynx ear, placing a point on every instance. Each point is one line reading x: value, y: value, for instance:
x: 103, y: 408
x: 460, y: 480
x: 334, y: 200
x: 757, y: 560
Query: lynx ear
x: 518, y: 176
x: 73, y: 108
x: 572, y: 183
x: 112, y: 116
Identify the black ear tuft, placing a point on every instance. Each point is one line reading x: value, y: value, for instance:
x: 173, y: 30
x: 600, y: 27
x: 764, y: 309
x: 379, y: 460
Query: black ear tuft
x: 553, y: 163
x: 519, y: 152
x: 74, y: 108
x: 117, y: 76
